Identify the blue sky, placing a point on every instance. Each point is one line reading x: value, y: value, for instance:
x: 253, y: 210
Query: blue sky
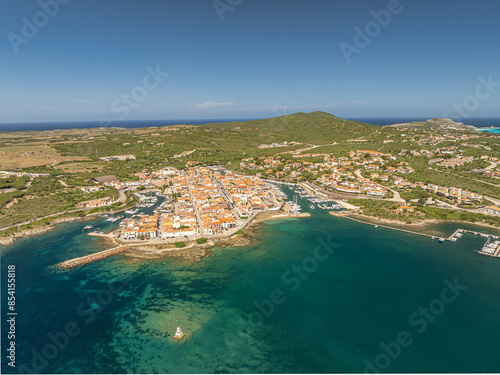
x: 92, y: 59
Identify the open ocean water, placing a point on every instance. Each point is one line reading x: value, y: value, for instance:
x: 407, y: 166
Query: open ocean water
x: 342, y: 292
x: 481, y: 122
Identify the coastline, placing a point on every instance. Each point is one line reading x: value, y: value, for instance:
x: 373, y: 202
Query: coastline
x: 421, y: 224
x: 10, y: 239
x: 193, y: 251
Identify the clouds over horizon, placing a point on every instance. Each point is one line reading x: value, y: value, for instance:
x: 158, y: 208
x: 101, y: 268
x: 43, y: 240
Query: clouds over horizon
x: 206, y: 105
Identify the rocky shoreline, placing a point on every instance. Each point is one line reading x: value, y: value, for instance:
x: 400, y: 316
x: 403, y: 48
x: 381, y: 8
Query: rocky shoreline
x: 9, y: 240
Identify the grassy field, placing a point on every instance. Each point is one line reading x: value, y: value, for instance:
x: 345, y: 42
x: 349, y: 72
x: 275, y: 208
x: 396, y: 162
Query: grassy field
x: 31, y: 155
x: 81, y: 167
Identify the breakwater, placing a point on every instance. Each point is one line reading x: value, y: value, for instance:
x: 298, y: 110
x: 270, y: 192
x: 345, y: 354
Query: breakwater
x: 76, y: 262
x: 450, y: 238
x: 387, y: 227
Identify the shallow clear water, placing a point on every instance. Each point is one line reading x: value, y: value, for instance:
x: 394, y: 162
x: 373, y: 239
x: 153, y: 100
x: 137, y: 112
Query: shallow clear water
x: 332, y: 314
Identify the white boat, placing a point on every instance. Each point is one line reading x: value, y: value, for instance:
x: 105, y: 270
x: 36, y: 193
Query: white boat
x: 113, y: 219
x: 88, y: 227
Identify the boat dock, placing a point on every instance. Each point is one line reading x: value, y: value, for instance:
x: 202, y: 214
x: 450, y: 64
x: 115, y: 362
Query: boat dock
x: 76, y: 262
x: 387, y: 227
x: 96, y: 234
x: 491, y: 249
x: 450, y: 238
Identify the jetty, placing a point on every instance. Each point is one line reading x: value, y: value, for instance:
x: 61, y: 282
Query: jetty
x: 105, y: 235
x: 423, y: 234
x: 76, y: 262
x: 491, y: 249
x: 387, y: 227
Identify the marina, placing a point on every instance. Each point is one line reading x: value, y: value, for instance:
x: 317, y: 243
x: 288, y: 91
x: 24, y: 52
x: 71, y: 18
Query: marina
x: 491, y: 248
x: 453, y: 237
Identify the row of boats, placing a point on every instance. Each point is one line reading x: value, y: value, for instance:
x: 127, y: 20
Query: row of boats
x: 116, y: 218
x: 147, y: 201
x: 321, y: 203
x: 490, y: 246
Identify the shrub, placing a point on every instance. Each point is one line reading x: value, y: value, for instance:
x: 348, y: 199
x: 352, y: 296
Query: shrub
x: 201, y: 241
x: 180, y: 244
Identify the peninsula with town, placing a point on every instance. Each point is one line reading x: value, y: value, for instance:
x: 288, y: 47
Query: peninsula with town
x: 187, y: 185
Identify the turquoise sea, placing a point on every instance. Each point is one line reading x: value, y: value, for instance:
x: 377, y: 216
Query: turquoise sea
x: 490, y: 130
x: 346, y: 297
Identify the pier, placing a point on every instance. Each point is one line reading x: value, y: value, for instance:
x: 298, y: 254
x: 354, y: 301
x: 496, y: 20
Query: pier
x: 95, y: 234
x: 424, y: 234
x: 491, y: 249
x: 76, y: 262
x: 387, y: 227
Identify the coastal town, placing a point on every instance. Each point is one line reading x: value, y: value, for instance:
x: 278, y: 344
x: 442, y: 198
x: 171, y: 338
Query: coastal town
x: 405, y: 176
x: 203, y: 203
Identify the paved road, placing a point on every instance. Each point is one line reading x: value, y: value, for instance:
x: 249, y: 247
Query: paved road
x: 492, y: 165
x: 44, y: 217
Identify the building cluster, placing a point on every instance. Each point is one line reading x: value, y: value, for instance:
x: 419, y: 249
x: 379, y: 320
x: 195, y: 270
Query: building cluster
x: 247, y: 194
x: 332, y: 171
x: 284, y: 144
x: 96, y: 203
x: 118, y: 157
x: 359, y: 186
x: 452, y: 162
x: 453, y: 193
x: 143, y: 228
x: 205, y: 203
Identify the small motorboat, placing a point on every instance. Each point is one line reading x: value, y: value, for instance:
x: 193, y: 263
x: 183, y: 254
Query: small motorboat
x: 441, y: 239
